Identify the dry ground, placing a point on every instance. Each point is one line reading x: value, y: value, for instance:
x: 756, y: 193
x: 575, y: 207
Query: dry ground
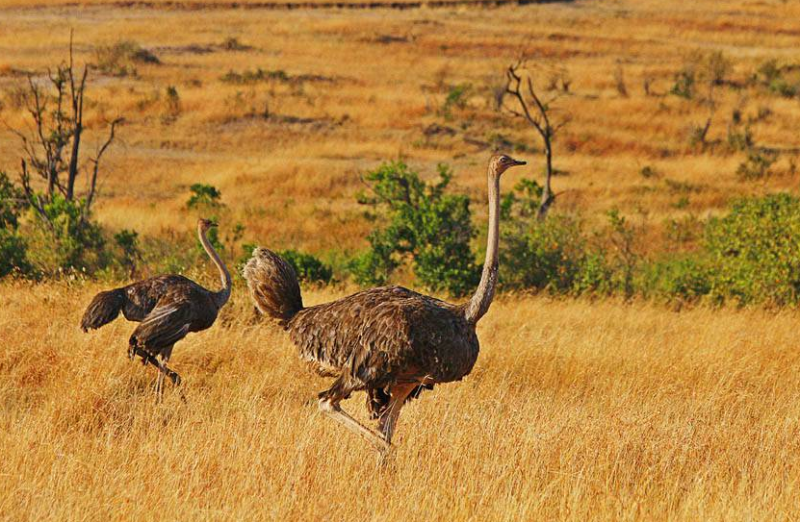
x: 575, y: 411
x: 363, y: 85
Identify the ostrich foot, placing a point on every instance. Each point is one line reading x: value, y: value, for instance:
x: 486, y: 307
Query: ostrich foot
x: 335, y: 412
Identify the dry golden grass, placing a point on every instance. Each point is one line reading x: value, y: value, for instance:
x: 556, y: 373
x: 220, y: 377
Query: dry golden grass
x: 575, y: 411
x: 390, y: 72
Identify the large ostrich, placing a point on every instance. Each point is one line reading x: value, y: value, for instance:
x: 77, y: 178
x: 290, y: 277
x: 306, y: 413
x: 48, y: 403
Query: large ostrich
x: 168, y: 307
x: 389, y: 341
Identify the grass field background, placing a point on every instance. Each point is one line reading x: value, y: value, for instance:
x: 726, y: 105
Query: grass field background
x: 576, y: 410
x: 363, y: 86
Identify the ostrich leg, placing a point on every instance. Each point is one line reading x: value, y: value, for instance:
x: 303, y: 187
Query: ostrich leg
x: 398, y: 393
x: 330, y: 407
x: 164, y: 371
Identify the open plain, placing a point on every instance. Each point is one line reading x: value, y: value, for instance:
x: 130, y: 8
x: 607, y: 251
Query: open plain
x: 576, y: 410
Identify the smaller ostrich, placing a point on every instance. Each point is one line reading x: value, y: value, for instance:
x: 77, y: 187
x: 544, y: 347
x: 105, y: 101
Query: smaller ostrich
x: 390, y: 342
x: 168, y: 307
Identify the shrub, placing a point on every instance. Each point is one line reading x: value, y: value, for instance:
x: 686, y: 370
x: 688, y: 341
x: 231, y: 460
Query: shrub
x: 755, y: 251
x: 204, y: 196
x: 13, y: 254
x: 128, y: 243
x: 757, y: 165
x: 626, y: 258
x: 546, y: 256
x: 248, y: 77
x: 456, y: 99
x: 684, y: 278
x: 309, y: 268
x: 173, y: 105
x: 421, y: 222
x: 121, y: 58
x: 64, y: 239
x: 780, y: 80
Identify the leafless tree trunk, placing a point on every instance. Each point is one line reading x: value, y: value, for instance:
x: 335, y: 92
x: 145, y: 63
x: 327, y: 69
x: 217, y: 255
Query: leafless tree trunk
x: 56, y: 106
x: 537, y: 113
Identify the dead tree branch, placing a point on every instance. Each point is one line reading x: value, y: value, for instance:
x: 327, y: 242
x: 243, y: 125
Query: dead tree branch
x: 536, y: 112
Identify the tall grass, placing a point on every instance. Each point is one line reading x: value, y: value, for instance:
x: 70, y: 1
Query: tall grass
x: 576, y: 410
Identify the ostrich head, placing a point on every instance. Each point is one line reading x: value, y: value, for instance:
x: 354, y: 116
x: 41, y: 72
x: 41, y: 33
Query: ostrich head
x: 204, y: 224
x: 501, y: 162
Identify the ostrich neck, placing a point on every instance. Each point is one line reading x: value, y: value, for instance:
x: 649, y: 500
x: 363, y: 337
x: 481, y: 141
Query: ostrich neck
x: 225, y: 276
x: 479, y: 304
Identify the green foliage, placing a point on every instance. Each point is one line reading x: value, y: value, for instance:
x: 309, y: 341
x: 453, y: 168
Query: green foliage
x: 309, y: 268
x: 698, y: 69
x: 420, y: 221
x: 781, y: 80
x: 546, y: 255
x: 13, y: 253
x: 64, y: 238
x: 12, y: 202
x: 740, y: 138
x: 13, y: 256
x: 685, y: 278
x: 248, y: 77
x: 684, y: 85
x: 625, y: 259
x: 755, y: 251
x: 456, y: 99
x: 128, y: 243
x: 204, y: 196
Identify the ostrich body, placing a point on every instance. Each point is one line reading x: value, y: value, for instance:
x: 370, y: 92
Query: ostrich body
x: 168, y: 308
x: 390, y: 341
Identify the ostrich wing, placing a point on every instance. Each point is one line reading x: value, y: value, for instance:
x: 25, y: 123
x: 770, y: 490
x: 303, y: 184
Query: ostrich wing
x: 167, y: 324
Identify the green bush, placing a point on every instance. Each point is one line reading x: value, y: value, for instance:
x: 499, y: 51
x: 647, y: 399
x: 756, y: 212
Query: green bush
x: 13, y: 255
x: 456, y: 99
x: 546, y: 255
x: 128, y: 243
x: 683, y: 278
x: 420, y: 222
x: 755, y: 251
x: 204, y: 196
x: 309, y: 268
x: 64, y: 239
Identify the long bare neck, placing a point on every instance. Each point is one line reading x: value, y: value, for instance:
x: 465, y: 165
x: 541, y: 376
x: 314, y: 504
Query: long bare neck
x: 479, y: 304
x: 225, y: 276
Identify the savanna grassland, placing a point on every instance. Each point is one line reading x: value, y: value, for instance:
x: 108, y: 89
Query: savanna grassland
x: 577, y: 409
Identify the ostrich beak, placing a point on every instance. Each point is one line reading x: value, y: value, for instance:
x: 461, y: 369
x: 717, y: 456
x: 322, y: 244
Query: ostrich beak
x: 519, y: 162
x: 213, y: 224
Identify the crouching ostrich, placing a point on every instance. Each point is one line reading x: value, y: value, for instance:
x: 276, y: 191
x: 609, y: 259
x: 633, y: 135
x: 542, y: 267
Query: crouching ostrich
x: 388, y: 341
x: 168, y: 308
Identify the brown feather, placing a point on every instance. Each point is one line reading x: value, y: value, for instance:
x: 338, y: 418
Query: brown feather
x: 273, y: 285
x: 169, y: 307
x: 370, y: 340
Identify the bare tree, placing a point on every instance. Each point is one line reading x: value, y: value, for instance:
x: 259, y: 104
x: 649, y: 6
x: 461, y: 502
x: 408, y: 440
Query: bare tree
x: 51, y: 148
x: 536, y: 111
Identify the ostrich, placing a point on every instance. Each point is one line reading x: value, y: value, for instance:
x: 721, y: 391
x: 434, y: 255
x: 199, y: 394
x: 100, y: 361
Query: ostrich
x: 390, y: 341
x: 168, y: 307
